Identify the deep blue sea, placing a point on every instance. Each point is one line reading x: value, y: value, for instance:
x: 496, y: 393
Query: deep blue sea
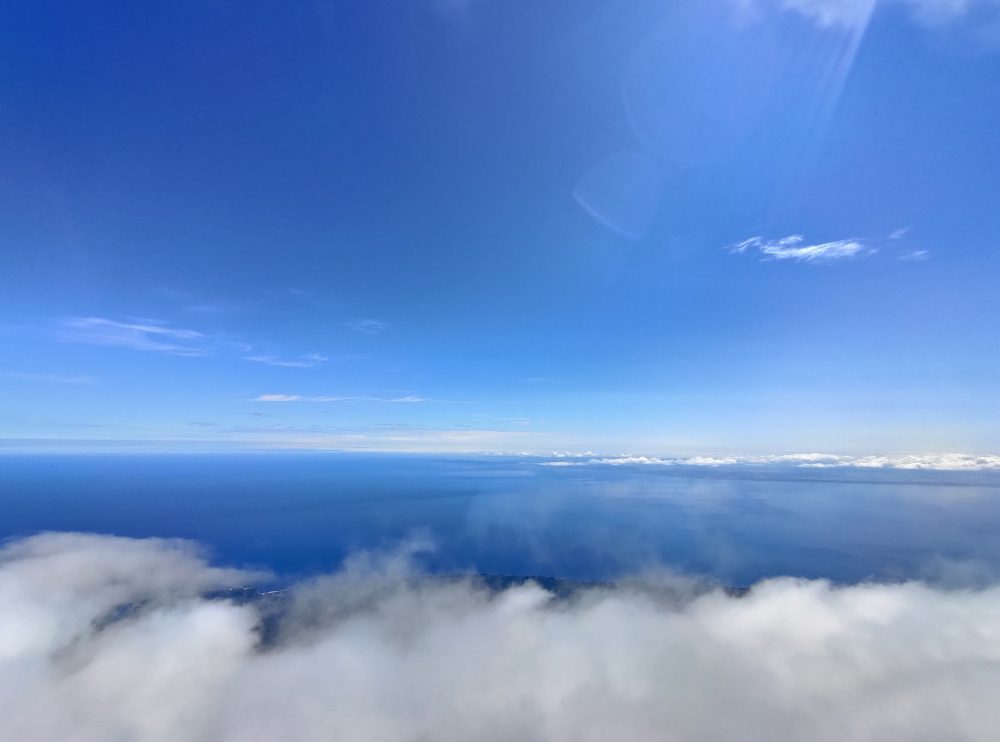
x: 301, y: 513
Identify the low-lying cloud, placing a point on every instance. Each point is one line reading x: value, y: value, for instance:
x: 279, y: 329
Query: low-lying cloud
x: 932, y: 462
x: 376, y: 652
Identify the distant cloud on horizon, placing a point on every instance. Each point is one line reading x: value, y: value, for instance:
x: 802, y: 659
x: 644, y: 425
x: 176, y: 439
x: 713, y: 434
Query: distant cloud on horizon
x: 936, y: 462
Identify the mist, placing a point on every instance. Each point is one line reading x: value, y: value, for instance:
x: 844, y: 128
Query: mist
x: 108, y: 638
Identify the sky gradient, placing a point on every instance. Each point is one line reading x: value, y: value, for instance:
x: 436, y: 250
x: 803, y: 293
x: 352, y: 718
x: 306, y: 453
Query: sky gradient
x: 651, y: 227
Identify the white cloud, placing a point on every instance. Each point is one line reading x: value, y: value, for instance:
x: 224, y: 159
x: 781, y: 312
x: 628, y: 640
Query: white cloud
x: 944, y: 462
x: 938, y: 462
x: 915, y: 255
x: 850, y: 13
x: 407, y: 399
x: 368, y: 326
x: 936, y: 12
x: 146, y: 335
x: 856, y: 13
x: 162, y: 337
x: 377, y: 653
x: 898, y: 234
x: 791, y: 248
x: 53, y: 378
x: 307, y: 360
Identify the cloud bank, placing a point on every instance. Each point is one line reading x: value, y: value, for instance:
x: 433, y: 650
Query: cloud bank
x: 376, y: 652
x: 936, y: 462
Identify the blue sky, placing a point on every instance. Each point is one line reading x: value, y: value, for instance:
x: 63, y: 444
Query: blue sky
x: 660, y: 227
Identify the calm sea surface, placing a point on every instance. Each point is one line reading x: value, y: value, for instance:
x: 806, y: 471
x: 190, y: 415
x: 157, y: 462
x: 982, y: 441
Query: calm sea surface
x: 303, y: 513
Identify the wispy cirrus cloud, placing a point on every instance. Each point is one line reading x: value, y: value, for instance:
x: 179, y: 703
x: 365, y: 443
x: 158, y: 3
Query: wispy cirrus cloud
x: 299, y: 398
x: 369, y: 326
x: 159, y: 336
x: 795, y: 248
x: 307, y: 360
x: 145, y: 335
x: 898, y: 235
x: 854, y: 13
x: 51, y: 378
x: 407, y: 399
x: 826, y: 13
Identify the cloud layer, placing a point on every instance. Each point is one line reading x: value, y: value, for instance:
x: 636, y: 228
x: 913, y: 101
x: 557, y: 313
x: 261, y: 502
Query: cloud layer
x: 377, y: 653
x: 937, y: 462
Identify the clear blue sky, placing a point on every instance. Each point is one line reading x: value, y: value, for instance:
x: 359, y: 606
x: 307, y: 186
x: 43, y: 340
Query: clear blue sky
x: 660, y: 227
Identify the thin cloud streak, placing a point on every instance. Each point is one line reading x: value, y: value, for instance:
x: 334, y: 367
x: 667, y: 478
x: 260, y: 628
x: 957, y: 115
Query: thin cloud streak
x: 158, y: 336
x: 850, y: 14
x: 53, y: 378
x: 828, y: 13
x: 148, y: 335
x: 407, y: 399
x: 369, y: 326
x: 308, y: 360
x: 792, y: 248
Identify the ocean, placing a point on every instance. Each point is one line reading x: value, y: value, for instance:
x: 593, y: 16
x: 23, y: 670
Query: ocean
x: 303, y: 513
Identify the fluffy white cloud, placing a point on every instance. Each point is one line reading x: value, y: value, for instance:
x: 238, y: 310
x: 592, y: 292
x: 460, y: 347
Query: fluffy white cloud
x: 378, y: 653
